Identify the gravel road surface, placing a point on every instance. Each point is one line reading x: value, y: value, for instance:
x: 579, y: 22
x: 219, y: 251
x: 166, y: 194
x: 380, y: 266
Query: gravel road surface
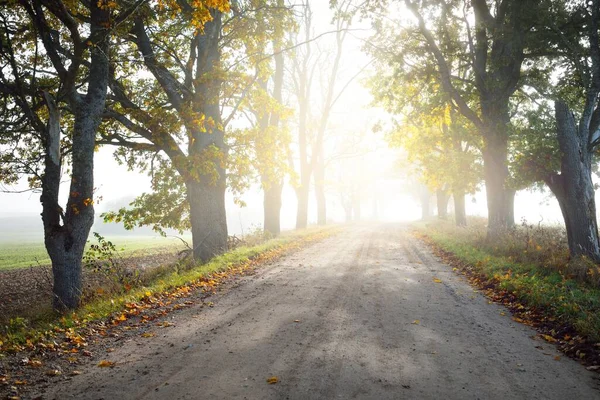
x: 361, y: 315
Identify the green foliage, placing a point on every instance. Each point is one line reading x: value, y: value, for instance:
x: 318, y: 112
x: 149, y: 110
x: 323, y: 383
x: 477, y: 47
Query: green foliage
x: 166, y: 128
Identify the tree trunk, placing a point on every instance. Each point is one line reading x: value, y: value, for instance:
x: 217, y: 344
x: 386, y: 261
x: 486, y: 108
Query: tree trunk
x: 272, y: 208
x: 65, y: 249
x: 495, y: 168
x: 460, y: 214
x: 273, y: 186
x: 510, y: 207
x: 208, y: 220
x: 66, y: 243
x: 302, y: 210
x: 206, y: 185
x: 425, y: 197
x: 442, y: 198
x: 320, y: 190
x: 574, y: 188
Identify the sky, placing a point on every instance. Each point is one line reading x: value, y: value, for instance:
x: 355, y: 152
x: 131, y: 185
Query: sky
x: 353, y: 114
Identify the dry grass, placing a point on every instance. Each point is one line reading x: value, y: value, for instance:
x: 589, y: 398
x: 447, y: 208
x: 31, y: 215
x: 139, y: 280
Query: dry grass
x: 539, y: 245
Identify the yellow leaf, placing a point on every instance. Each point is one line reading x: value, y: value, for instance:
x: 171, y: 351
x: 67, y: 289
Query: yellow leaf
x: 20, y: 383
x: 106, y: 363
x: 416, y: 322
x: 549, y: 338
x: 148, y: 334
x: 436, y: 280
x: 502, y: 313
x: 53, y: 372
x: 272, y: 380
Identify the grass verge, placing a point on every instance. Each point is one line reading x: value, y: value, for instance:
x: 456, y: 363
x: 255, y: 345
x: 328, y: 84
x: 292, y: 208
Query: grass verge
x: 541, y: 290
x: 49, y: 332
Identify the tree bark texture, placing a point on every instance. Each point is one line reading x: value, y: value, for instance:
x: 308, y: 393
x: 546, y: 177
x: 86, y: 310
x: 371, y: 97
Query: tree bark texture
x: 208, y: 220
x: 574, y: 188
x: 206, y: 192
x: 65, y: 242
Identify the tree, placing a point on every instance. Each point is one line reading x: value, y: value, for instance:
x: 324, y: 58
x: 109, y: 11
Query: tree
x: 306, y: 66
x: 442, y: 145
x: 52, y: 51
x: 198, y: 74
x: 564, y: 160
x: 269, y: 137
x: 495, y: 50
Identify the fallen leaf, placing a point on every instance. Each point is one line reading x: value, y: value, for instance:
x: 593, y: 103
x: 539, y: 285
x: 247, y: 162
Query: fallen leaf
x: 557, y: 358
x: 548, y: 338
x: 35, y: 363
x: 75, y: 372
x: 148, y: 334
x: 20, y: 383
x: 53, y: 372
x: 502, y: 313
x: 272, y: 380
x: 416, y: 322
x: 106, y: 363
x: 436, y: 280
x: 296, y: 320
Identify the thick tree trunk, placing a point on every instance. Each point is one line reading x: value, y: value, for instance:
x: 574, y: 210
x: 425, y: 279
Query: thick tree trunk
x: 208, y: 220
x: 65, y: 242
x: 272, y: 208
x: 574, y: 188
x: 460, y: 214
x: 442, y: 198
x: 495, y: 166
x: 64, y: 249
x: 320, y: 190
x: 206, y: 186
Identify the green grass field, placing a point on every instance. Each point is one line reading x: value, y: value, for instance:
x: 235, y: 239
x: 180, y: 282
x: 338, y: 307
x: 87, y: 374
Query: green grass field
x: 27, y: 254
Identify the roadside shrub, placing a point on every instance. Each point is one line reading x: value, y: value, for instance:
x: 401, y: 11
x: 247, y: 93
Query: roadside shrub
x: 104, y: 258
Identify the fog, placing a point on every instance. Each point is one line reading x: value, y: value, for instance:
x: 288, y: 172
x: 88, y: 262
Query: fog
x: 384, y: 194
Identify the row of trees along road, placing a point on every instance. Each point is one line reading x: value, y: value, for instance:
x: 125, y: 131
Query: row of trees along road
x: 190, y: 92
x: 502, y: 66
x: 194, y: 94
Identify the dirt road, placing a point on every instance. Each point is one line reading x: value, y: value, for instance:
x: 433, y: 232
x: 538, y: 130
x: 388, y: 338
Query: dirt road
x: 357, y: 316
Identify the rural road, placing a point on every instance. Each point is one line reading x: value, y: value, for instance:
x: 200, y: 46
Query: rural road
x: 356, y: 316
